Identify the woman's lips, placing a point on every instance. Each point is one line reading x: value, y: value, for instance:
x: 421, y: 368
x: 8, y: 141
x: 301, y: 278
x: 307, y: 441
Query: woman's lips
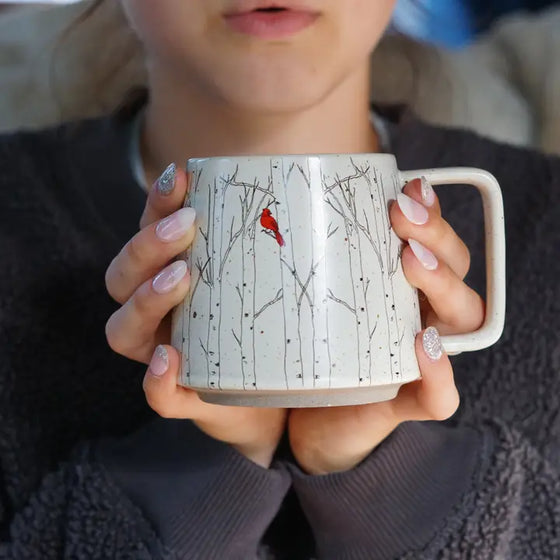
x: 270, y: 24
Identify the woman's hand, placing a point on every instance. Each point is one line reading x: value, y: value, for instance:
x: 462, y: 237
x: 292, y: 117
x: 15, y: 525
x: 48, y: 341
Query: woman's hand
x: 141, y: 279
x: 436, y: 261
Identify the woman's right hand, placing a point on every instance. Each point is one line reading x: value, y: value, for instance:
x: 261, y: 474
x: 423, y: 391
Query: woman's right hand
x: 141, y: 279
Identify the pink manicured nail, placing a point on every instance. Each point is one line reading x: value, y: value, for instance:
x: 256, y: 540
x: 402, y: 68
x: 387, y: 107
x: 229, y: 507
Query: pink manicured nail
x: 431, y: 343
x: 413, y: 211
x: 160, y: 361
x: 175, y: 226
x: 169, y: 277
x: 428, y: 194
x: 426, y: 257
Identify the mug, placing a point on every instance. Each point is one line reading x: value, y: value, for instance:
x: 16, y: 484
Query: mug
x: 298, y: 296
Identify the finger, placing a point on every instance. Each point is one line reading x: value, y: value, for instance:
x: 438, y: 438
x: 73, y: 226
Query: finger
x: 253, y: 431
x: 434, y: 396
x: 411, y: 219
x: 149, y: 251
x: 160, y: 385
x: 166, y: 195
x: 422, y: 191
x: 455, y: 304
x: 131, y: 330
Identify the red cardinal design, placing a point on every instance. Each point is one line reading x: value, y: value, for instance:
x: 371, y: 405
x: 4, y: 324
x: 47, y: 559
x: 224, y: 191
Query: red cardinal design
x: 268, y: 222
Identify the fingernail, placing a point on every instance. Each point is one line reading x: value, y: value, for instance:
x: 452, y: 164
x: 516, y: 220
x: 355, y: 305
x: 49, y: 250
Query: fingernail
x: 160, y: 361
x: 426, y: 257
x: 169, y: 277
x: 431, y: 343
x: 428, y: 194
x: 175, y: 226
x: 413, y: 211
x: 166, y: 182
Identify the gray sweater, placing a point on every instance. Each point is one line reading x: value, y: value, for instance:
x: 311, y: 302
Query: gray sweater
x: 88, y: 471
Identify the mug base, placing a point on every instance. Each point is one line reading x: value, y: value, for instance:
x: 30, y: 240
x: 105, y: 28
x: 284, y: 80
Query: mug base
x: 302, y: 399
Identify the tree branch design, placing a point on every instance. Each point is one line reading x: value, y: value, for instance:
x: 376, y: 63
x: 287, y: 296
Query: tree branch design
x: 342, y: 302
x: 277, y: 297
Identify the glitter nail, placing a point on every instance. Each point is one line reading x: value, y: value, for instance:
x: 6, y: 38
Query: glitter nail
x: 432, y: 344
x: 166, y: 183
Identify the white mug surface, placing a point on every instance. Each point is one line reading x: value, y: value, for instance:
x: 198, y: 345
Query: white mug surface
x: 297, y: 297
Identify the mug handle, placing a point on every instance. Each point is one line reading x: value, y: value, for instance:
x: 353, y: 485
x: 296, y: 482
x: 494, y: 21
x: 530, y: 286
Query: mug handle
x: 494, y: 230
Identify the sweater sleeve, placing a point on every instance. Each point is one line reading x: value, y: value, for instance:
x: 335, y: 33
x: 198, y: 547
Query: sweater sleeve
x: 165, y: 491
x: 434, y: 491
x: 205, y: 499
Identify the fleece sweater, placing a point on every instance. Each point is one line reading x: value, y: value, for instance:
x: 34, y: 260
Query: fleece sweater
x: 88, y: 471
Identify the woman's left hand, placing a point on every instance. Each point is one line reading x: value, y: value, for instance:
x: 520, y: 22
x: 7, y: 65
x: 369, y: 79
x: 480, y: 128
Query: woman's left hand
x: 435, y: 260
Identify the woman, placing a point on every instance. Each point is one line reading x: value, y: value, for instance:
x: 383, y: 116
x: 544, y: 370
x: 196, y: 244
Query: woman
x: 89, y: 471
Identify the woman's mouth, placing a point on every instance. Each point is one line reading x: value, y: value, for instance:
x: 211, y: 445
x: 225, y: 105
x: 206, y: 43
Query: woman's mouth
x: 271, y: 22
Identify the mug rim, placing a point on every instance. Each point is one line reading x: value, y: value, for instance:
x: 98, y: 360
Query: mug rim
x: 261, y: 157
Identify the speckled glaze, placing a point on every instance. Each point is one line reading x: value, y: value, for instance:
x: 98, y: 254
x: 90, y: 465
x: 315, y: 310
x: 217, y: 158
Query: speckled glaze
x: 305, y: 304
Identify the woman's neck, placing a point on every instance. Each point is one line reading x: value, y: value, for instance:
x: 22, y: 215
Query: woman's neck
x: 180, y: 123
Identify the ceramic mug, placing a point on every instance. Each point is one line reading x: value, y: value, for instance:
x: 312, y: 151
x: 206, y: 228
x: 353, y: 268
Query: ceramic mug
x: 298, y: 296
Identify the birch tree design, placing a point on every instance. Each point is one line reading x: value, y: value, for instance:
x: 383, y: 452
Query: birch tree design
x: 296, y: 280
x: 304, y: 290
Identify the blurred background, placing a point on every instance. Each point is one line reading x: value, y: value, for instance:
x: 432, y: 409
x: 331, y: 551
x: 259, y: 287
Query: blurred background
x: 489, y: 65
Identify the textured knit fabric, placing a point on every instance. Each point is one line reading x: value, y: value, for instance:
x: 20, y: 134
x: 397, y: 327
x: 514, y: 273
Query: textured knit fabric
x: 88, y: 471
